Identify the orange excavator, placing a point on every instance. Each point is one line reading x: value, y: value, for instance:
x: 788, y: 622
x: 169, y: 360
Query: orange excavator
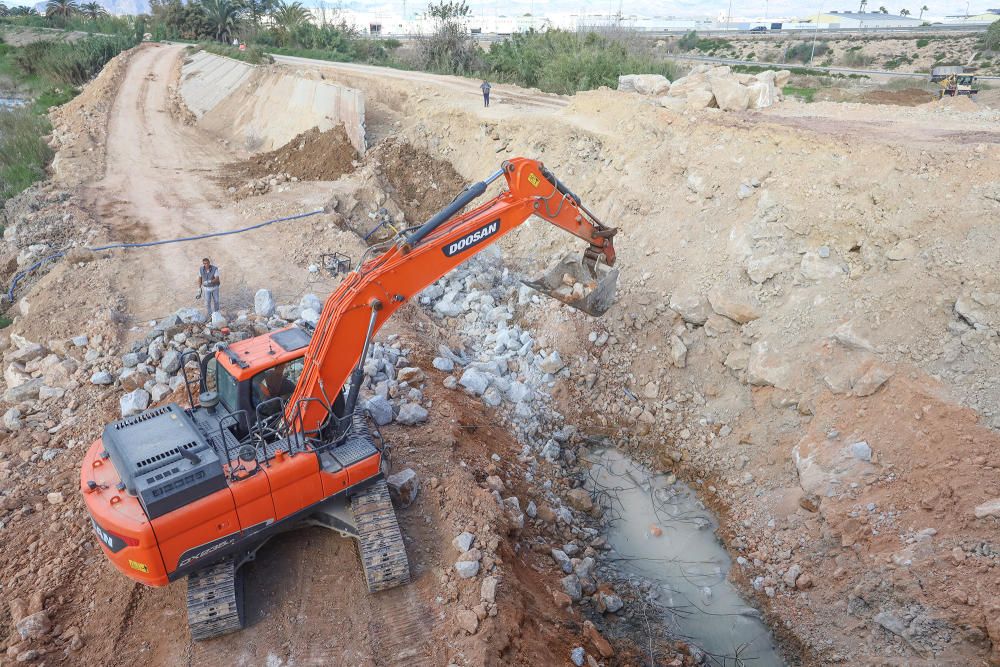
x: 274, y: 437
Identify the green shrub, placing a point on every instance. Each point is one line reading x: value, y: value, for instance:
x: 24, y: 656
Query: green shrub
x: 251, y: 54
x: 922, y: 42
x: 69, y: 64
x: 563, y: 62
x: 805, y: 94
x: 856, y: 59
x: 803, y: 53
x: 991, y: 40
x: 23, y: 153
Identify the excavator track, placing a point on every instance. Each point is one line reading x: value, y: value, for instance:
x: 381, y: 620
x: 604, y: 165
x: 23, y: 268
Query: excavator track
x: 215, y: 601
x: 380, y: 542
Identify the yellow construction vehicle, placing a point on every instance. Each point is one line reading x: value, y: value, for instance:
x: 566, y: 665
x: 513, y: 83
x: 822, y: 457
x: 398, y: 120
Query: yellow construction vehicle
x: 953, y: 81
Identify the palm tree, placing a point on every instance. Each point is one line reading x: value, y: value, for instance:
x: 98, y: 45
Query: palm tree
x: 93, y: 10
x: 223, y: 17
x: 61, y: 8
x: 3, y: 10
x: 23, y: 11
x: 883, y: 10
x: 904, y: 12
x: 863, y: 6
x: 290, y: 16
x: 922, y: 10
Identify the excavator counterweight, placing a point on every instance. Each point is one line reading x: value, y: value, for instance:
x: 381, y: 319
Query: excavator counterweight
x: 275, y: 438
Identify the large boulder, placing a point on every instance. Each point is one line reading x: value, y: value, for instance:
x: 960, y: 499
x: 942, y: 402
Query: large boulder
x: 411, y: 414
x: 685, y: 85
x: 651, y: 84
x: 404, y: 487
x: 701, y: 99
x: 730, y: 94
x: 626, y: 83
x: 781, y: 78
x: 134, y: 402
x: 263, y: 303
x: 762, y: 93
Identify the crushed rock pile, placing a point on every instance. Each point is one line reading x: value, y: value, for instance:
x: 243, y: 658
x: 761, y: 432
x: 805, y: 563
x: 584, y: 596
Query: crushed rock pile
x: 707, y: 87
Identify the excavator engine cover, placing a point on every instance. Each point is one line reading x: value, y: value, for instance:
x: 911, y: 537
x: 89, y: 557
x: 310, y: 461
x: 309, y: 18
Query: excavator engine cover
x: 163, y: 459
x: 579, y: 283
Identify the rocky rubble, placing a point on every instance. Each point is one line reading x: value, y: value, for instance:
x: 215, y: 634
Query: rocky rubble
x: 706, y: 86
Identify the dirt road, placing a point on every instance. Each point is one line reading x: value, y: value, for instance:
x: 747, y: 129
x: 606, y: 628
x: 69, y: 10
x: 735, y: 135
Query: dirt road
x: 466, y: 90
x: 159, y: 184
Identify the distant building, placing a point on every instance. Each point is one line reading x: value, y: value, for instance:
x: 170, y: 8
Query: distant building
x: 862, y: 20
x: 989, y: 16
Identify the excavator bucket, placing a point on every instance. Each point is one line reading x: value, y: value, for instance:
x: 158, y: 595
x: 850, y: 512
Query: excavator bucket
x: 578, y: 283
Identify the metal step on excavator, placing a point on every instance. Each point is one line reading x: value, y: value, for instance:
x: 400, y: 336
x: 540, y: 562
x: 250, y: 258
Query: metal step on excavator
x: 273, y: 437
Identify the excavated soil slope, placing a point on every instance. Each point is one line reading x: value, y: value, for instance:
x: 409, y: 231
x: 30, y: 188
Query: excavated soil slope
x: 805, y: 303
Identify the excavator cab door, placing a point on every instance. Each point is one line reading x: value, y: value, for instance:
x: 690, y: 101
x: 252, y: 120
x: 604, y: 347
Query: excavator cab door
x: 580, y: 283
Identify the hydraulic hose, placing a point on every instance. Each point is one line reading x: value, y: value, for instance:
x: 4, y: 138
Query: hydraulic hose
x: 183, y: 239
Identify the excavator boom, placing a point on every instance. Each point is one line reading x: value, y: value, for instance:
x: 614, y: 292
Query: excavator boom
x: 370, y: 295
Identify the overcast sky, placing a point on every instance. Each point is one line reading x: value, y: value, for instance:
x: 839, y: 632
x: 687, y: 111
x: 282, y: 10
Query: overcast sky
x: 698, y: 8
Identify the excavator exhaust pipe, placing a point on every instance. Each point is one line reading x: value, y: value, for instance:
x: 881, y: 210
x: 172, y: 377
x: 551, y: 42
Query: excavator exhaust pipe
x: 579, y: 283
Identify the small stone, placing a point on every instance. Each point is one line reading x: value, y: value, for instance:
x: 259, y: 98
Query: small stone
x: 578, y: 656
x: 989, y: 508
x: 443, y: 364
x: 571, y: 586
x: 809, y: 502
x: 55, y: 498
x: 134, y: 402
x: 464, y: 541
x: 488, y: 590
x: 404, y: 487
x: 467, y: 620
x: 612, y: 603
x: 804, y: 582
x: 531, y: 510
x: 130, y: 360
x: 411, y: 414
x: 380, y: 409
x: 34, y: 626
x: 597, y: 639
x: 410, y: 374
x: 474, y: 381
x: 263, y: 303
x: 467, y: 569
x: 562, y: 560
x: 861, y: 451
x: 12, y: 419
x: 550, y: 452
x: 579, y: 498
x: 552, y: 363
x: 791, y: 575
x: 171, y: 361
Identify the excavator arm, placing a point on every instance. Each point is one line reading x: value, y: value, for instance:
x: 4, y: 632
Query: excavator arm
x: 371, y: 294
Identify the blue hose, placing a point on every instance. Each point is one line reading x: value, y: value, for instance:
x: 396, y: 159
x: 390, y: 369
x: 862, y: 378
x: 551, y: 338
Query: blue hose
x: 115, y: 246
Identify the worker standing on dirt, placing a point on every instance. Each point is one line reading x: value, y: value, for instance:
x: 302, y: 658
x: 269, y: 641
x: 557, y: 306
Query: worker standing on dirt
x: 485, y: 87
x: 208, y: 281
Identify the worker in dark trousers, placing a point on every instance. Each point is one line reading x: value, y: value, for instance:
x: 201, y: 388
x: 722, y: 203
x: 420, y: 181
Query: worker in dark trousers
x: 485, y: 87
x: 208, y: 282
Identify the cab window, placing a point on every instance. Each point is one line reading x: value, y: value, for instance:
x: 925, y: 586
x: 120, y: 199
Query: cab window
x: 278, y: 380
x: 219, y: 379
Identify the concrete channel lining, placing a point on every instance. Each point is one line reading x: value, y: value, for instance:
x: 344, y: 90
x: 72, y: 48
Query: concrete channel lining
x: 238, y: 100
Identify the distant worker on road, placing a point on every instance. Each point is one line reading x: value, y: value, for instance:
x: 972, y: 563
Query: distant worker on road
x: 485, y: 87
x: 208, y: 281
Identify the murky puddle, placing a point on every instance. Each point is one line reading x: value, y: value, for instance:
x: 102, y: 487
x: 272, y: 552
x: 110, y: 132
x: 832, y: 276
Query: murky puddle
x: 661, y: 532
